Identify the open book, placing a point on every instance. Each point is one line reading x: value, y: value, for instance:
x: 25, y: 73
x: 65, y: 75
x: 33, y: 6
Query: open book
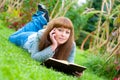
x: 63, y: 66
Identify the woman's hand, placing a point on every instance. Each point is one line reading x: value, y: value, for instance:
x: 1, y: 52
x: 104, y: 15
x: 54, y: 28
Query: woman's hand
x: 52, y: 37
x: 78, y: 74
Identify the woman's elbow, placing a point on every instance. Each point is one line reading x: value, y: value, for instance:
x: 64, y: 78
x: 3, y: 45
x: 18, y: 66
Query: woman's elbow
x: 35, y: 57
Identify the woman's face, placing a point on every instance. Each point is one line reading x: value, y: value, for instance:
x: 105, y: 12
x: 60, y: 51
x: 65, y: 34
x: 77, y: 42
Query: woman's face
x: 62, y: 35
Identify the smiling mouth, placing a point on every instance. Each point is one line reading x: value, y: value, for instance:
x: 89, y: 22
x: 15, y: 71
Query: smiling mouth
x: 61, y: 39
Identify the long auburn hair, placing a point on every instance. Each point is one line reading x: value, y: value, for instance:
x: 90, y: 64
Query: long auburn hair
x: 63, y: 51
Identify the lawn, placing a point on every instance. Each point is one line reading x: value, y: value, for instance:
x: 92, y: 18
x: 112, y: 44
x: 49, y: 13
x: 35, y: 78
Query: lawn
x: 16, y: 63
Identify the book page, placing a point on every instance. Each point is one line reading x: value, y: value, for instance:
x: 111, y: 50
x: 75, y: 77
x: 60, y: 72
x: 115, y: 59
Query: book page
x: 76, y: 65
x: 61, y: 61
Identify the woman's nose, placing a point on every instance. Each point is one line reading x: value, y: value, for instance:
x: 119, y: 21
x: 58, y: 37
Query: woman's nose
x: 63, y: 33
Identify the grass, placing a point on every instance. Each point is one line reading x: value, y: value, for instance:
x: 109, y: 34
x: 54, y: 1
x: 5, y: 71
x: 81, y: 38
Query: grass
x: 16, y: 63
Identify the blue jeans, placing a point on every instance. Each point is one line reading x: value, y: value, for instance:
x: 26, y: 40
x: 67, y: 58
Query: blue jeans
x: 20, y: 37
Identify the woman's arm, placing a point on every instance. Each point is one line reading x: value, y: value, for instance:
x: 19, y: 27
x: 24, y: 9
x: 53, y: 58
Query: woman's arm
x: 32, y: 46
x: 42, y: 55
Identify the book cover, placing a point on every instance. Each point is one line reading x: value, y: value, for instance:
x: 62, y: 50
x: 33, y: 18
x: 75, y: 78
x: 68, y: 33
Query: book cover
x: 63, y: 66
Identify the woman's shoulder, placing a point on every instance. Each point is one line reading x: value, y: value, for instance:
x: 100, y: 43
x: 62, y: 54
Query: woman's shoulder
x: 40, y: 33
x: 74, y: 43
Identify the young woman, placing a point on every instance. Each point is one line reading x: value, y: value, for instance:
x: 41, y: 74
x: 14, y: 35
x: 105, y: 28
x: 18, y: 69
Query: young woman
x: 56, y: 40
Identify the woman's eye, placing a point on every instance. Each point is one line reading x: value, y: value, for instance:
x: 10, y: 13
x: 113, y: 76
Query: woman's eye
x: 59, y: 29
x: 67, y: 32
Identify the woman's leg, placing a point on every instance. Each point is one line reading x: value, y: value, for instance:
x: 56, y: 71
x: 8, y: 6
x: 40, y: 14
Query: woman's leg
x: 37, y: 23
x: 21, y: 38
